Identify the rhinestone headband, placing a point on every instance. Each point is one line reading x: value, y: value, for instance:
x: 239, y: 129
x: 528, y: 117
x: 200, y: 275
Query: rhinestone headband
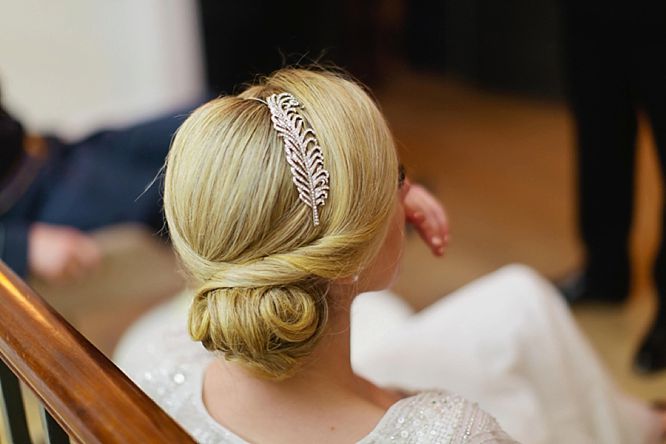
x: 302, y: 150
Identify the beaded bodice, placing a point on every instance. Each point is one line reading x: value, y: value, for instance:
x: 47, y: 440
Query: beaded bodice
x: 428, y: 417
x: 436, y: 417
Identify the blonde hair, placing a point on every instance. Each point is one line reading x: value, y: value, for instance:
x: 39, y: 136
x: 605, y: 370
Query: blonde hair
x: 235, y: 219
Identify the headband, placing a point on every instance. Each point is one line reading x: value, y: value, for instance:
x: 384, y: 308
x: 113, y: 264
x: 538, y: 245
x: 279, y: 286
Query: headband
x: 302, y: 150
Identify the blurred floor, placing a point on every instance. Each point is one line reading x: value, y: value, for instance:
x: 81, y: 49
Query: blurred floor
x: 504, y: 168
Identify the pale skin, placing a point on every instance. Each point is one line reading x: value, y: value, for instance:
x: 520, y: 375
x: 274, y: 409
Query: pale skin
x: 428, y: 216
x: 61, y: 254
x: 325, y: 402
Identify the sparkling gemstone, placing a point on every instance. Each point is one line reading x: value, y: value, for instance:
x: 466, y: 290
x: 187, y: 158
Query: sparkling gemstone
x: 179, y: 378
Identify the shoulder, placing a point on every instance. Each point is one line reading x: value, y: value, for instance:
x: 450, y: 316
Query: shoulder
x: 437, y: 416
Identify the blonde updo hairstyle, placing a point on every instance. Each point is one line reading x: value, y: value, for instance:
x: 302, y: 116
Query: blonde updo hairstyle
x: 261, y: 267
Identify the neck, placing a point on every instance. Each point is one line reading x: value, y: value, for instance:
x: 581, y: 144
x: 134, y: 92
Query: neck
x: 325, y: 395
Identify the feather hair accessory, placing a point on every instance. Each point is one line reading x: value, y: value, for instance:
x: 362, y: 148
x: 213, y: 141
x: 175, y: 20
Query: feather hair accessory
x: 302, y: 150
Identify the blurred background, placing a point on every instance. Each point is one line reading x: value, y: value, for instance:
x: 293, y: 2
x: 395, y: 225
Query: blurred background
x: 473, y: 89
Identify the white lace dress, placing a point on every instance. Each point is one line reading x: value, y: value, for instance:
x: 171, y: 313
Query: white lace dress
x: 505, y: 341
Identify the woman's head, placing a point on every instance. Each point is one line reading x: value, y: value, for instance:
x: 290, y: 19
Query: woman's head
x: 262, y: 267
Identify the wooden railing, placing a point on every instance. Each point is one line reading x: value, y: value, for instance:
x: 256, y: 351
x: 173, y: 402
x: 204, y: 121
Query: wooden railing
x: 84, y: 395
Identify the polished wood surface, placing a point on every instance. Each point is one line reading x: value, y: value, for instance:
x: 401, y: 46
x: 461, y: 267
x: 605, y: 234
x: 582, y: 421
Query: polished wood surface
x: 84, y: 391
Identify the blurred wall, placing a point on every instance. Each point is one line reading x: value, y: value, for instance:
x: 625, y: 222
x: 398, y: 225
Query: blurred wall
x: 73, y: 66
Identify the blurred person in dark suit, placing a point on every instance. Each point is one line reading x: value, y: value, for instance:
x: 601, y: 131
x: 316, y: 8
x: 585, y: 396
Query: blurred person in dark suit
x: 616, y: 65
x: 52, y: 193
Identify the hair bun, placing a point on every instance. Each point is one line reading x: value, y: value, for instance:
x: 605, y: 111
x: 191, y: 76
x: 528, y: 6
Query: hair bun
x: 268, y: 329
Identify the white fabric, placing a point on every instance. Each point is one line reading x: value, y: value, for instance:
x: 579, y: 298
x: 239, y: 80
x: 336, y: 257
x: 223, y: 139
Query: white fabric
x: 175, y: 383
x: 508, y: 342
x: 505, y: 341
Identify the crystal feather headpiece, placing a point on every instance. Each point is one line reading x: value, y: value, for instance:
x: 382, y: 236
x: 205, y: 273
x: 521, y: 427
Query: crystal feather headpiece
x: 302, y: 150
